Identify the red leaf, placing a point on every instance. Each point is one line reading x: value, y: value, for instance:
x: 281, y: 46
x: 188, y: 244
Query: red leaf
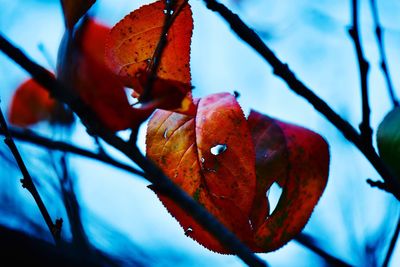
x: 228, y: 164
x: 31, y: 103
x: 82, y: 68
x: 183, y: 147
x: 74, y: 10
x: 131, y: 47
x: 298, y: 160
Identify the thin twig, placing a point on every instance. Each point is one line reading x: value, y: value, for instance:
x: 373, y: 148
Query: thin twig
x: 27, y: 182
x: 384, y: 65
x: 378, y: 184
x: 169, y: 17
x: 160, y: 181
x: 365, y: 128
x: 392, y: 244
x: 79, y: 237
x: 282, y: 70
x: 307, y: 241
x: 34, y: 138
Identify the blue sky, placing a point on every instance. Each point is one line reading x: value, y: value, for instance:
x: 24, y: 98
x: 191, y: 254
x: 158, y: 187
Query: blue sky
x: 311, y: 36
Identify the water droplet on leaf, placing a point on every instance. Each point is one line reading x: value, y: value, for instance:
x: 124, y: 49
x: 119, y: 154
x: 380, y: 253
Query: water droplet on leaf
x: 218, y: 149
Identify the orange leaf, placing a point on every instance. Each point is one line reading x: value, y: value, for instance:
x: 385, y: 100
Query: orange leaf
x: 166, y: 94
x: 228, y: 164
x: 213, y: 164
x: 132, y: 44
x: 31, y: 103
x: 74, y: 10
x: 298, y: 160
x: 81, y: 67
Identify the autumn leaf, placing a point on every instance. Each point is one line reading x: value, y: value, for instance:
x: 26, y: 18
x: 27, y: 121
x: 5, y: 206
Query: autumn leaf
x: 388, y: 140
x: 228, y: 164
x: 74, y: 10
x: 298, y: 160
x: 81, y: 67
x: 31, y: 103
x: 213, y: 164
x: 131, y: 47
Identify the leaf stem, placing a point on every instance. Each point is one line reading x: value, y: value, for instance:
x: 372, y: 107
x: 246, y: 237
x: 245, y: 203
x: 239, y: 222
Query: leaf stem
x: 365, y: 128
x: 282, y: 70
x: 27, y: 182
x: 384, y: 66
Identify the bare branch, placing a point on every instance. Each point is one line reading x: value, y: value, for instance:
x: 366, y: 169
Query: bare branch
x: 160, y: 181
x: 282, y: 70
x: 381, y: 47
x: 32, y: 137
x: 365, y: 128
x: 27, y: 182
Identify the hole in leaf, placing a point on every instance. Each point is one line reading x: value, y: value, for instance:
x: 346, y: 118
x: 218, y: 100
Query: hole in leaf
x: 165, y: 134
x: 218, y: 149
x: 274, y: 194
x: 131, y: 100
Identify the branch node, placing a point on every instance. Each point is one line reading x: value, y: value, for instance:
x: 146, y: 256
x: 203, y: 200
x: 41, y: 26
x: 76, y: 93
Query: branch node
x: 379, y: 184
x: 25, y: 183
x: 57, y: 227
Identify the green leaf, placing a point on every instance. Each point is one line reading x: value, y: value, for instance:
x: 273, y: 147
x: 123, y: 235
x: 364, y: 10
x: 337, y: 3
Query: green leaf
x: 388, y: 138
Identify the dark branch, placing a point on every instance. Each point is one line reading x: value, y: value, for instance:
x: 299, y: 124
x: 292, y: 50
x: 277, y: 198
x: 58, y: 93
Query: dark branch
x: 384, y: 66
x: 27, y: 182
x: 160, y: 181
x: 79, y: 237
x: 365, y: 128
x: 378, y: 184
x: 392, y: 244
x: 169, y: 18
x: 282, y: 70
x: 32, y: 137
x: 309, y: 243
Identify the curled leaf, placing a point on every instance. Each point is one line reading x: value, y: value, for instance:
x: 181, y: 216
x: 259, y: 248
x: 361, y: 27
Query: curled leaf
x: 224, y: 184
x: 388, y: 140
x: 132, y: 46
x: 228, y: 164
x: 298, y: 160
x: 80, y: 66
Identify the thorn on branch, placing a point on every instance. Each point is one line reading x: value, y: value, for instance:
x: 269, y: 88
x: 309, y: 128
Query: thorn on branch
x: 378, y: 184
x: 24, y: 183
